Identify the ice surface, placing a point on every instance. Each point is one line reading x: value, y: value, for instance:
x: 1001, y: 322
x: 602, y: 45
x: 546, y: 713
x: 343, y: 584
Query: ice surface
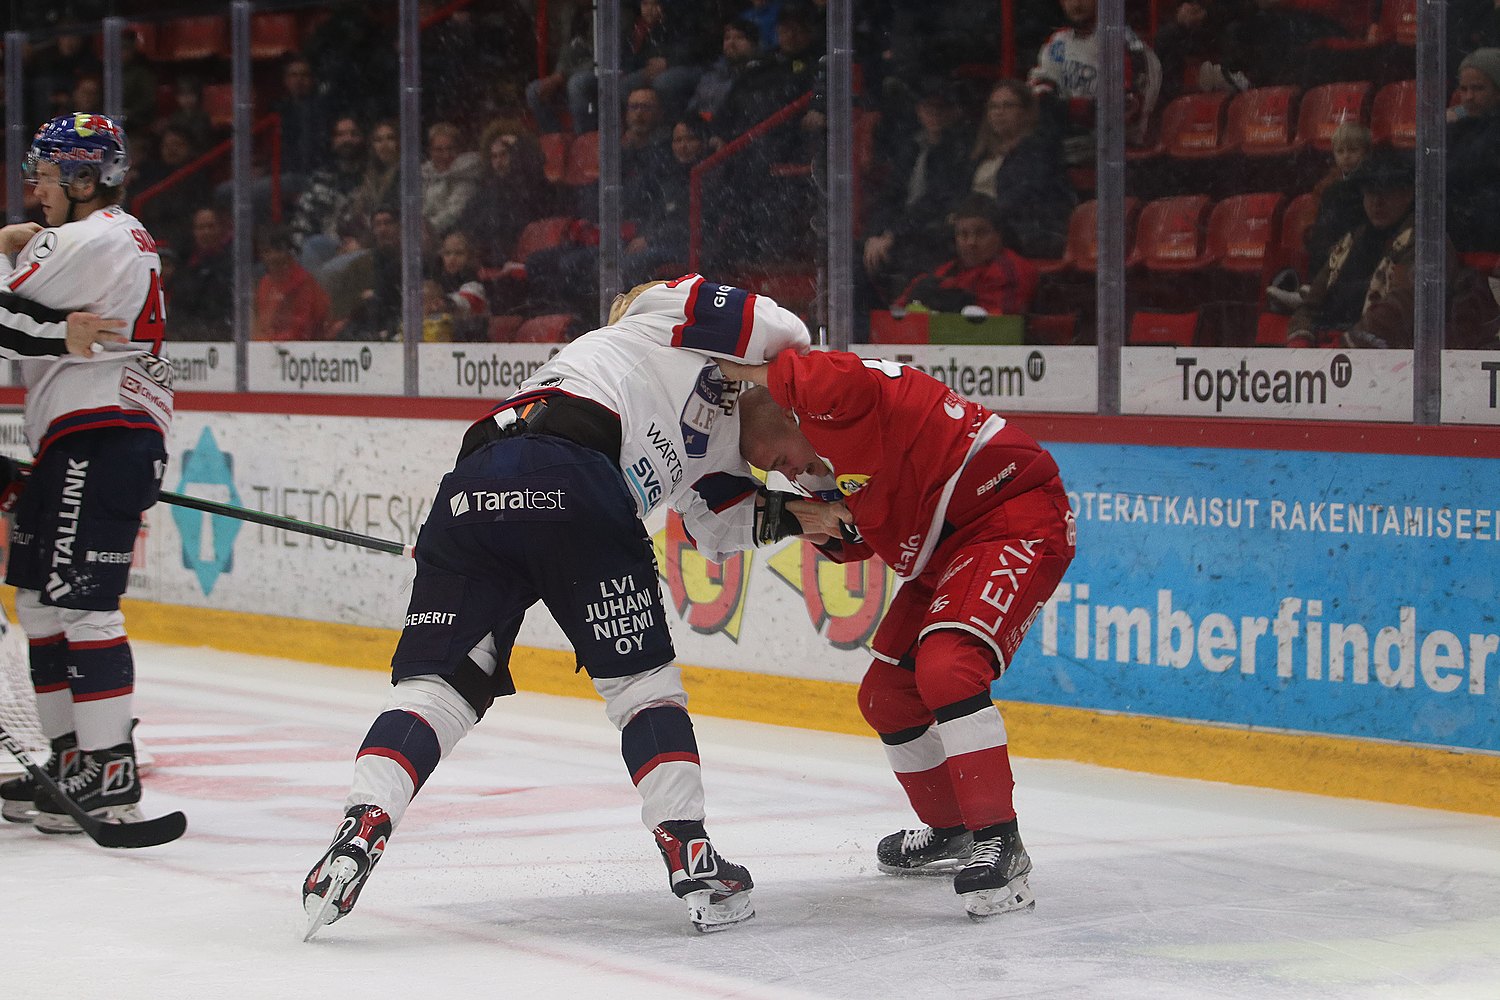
x: 522, y: 871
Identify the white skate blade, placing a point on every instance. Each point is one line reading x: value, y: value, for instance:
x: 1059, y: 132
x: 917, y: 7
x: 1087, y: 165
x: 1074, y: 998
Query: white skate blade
x: 18, y: 812
x: 47, y: 822
x: 986, y: 903
x: 341, y: 872
x: 708, y: 916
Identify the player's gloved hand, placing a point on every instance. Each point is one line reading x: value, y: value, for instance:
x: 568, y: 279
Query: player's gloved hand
x: 12, y: 484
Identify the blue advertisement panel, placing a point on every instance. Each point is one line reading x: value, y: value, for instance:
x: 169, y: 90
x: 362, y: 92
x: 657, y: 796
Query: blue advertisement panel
x: 1342, y: 594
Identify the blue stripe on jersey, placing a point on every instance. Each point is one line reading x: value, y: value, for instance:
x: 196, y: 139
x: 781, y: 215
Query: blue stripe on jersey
x: 719, y: 319
x: 721, y: 490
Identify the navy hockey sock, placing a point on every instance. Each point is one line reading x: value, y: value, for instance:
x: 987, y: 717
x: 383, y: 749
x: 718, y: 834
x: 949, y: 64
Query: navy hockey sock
x: 405, y: 739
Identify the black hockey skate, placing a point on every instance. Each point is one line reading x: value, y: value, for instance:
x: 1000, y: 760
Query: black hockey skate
x: 928, y: 851
x: 994, y: 880
x: 332, y: 887
x: 18, y: 796
x: 717, y: 892
x: 106, y: 786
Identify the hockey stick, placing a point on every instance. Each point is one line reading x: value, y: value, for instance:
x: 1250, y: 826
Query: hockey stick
x: 286, y: 523
x: 275, y: 521
x: 147, y: 833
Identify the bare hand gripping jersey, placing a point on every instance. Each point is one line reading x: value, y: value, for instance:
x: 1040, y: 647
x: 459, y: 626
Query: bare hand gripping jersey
x: 679, y: 422
x: 105, y: 264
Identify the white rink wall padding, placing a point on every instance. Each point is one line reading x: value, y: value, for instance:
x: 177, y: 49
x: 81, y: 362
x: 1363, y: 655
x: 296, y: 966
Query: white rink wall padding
x: 1326, y: 592
x: 522, y: 870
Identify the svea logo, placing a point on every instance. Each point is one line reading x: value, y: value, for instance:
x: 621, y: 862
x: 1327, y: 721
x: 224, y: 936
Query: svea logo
x: 643, y: 479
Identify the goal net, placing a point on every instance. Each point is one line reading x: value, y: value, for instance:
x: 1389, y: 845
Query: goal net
x: 17, y: 702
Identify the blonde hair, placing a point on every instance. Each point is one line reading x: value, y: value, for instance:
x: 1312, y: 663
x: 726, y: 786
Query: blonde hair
x: 622, y: 301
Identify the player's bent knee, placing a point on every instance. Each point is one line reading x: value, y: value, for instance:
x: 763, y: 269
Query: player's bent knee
x: 92, y: 626
x: 889, y: 701
x: 437, y: 703
x: 953, y: 666
x: 626, y: 697
x: 36, y: 618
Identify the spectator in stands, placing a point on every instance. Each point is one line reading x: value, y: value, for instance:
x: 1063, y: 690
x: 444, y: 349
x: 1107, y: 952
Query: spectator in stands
x: 437, y: 314
x: 457, y: 276
x: 289, y: 304
x: 305, y: 125
x: 168, y: 212
x: 662, y: 231
x: 52, y: 70
x: 354, y: 57
x: 1067, y: 73
x: 315, y: 220
x: 1340, y: 202
x: 740, y: 43
x: 188, y: 115
x: 1268, y: 43
x: 1364, y: 295
x: 450, y: 178
x: 1021, y: 169
x: 137, y: 83
x: 377, y: 315
x: 88, y: 92
x: 665, y: 53
x: 512, y: 193
x: 379, y: 189
x: 1472, y: 24
x: 774, y: 80
x: 764, y: 14
x: 1185, y: 43
x: 349, y: 273
x: 572, y: 79
x: 202, y: 306
x: 907, y: 219
x: 985, y: 276
x: 646, y: 136
x: 1474, y: 155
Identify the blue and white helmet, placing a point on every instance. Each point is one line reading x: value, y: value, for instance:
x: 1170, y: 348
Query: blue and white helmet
x: 81, y: 142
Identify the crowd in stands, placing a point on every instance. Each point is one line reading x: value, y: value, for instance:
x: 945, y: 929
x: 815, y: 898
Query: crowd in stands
x: 1269, y: 166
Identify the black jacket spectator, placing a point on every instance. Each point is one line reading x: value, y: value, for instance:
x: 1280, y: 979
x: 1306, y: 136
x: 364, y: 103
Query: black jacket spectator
x: 1474, y: 155
x: 202, y: 289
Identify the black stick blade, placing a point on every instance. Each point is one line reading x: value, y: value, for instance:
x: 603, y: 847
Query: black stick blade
x: 147, y: 833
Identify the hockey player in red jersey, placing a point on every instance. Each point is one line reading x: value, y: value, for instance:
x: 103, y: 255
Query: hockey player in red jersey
x: 971, y: 513
x: 83, y: 311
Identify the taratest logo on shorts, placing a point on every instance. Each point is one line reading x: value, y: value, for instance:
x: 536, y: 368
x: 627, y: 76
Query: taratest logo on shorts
x: 530, y: 499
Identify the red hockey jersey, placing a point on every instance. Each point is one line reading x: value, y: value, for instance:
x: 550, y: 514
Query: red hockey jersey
x: 910, y: 456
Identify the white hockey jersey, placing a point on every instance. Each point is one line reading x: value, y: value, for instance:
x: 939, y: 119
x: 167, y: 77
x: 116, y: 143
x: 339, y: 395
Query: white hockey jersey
x: 678, y: 420
x: 105, y: 264
x: 1068, y: 66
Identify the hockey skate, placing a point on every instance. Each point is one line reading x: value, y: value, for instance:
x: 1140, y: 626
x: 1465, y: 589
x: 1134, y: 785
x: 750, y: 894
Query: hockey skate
x: 332, y: 887
x: 717, y: 892
x: 928, y: 851
x: 19, y: 796
x: 106, y: 785
x: 994, y: 880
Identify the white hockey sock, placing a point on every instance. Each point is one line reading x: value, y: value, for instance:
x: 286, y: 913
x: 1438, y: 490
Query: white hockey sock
x: 389, y: 779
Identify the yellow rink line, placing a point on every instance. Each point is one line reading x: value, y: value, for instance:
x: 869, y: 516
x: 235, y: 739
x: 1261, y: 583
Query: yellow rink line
x: 1350, y: 768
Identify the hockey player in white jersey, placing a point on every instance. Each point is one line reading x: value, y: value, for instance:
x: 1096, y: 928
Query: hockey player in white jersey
x: 545, y: 503
x: 82, y: 309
